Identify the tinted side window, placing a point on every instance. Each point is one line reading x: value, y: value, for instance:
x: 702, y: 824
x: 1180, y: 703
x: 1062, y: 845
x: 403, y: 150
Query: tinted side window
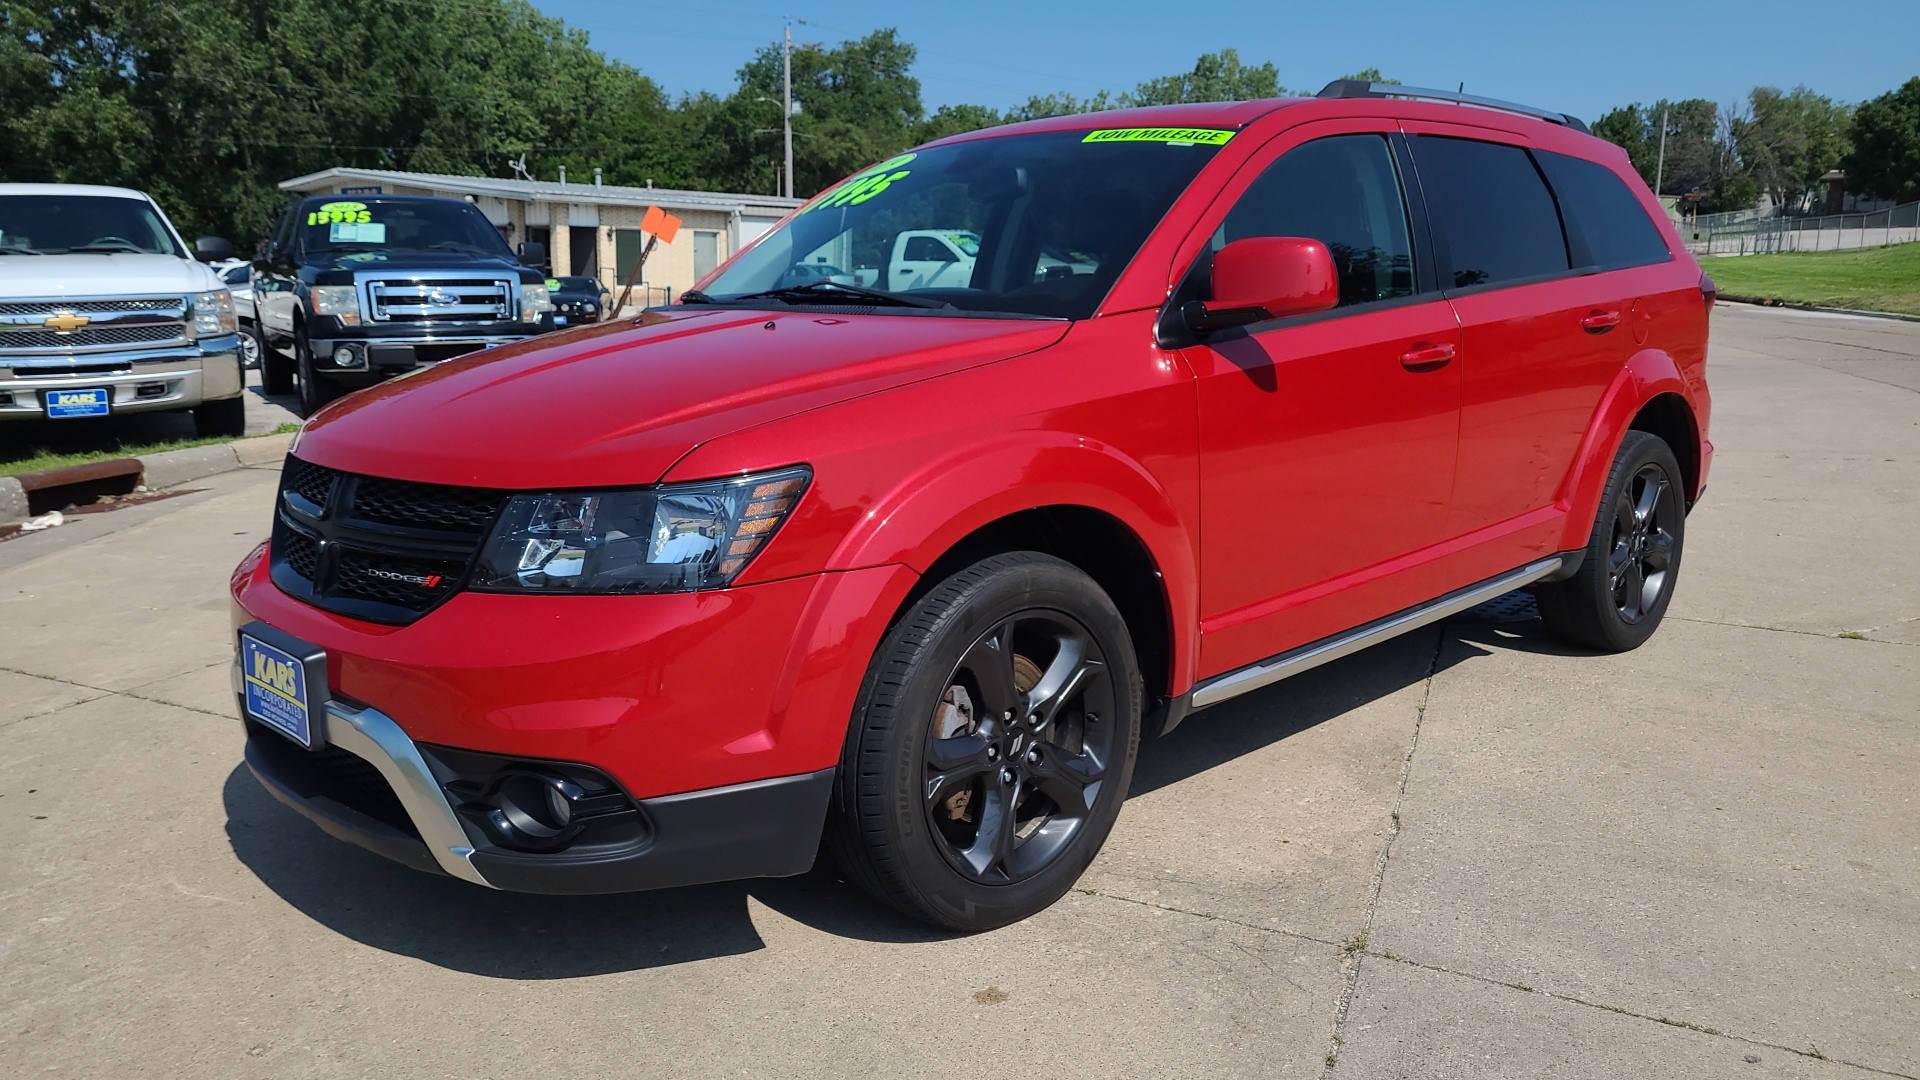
x: 1344, y: 192
x: 1496, y: 213
x: 1607, y: 225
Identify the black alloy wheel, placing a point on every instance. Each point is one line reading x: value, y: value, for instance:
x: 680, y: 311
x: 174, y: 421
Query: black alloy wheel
x: 991, y: 747
x: 1019, y: 746
x: 1616, y: 599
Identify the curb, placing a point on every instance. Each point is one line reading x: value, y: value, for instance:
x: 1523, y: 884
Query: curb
x: 169, y: 468
x: 1763, y: 301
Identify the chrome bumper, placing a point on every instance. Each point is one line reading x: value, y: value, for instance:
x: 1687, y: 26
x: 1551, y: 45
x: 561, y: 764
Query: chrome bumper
x: 187, y: 376
x: 372, y: 736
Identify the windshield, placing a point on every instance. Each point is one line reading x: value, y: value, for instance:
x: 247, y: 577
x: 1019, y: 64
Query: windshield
x: 413, y: 225
x: 63, y: 224
x: 1023, y: 224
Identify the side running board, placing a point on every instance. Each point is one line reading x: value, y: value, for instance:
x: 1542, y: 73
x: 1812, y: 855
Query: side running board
x: 1294, y: 661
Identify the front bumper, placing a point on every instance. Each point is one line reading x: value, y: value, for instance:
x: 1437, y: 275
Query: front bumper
x: 150, y: 381
x: 382, y: 356
x: 373, y: 786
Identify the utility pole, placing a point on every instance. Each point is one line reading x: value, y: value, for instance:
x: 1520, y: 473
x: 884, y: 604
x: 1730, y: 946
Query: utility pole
x: 786, y: 113
x: 1660, y: 170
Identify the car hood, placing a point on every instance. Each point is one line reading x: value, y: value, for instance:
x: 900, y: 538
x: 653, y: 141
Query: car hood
x: 618, y: 403
x: 410, y: 261
x: 103, y: 275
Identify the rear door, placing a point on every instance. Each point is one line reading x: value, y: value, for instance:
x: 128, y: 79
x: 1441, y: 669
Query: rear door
x: 1540, y: 341
x: 1326, y: 441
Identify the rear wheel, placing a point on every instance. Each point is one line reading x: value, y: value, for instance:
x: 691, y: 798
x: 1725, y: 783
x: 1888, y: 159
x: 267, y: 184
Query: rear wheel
x: 991, y: 747
x: 1615, y: 601
x: 315, y: 392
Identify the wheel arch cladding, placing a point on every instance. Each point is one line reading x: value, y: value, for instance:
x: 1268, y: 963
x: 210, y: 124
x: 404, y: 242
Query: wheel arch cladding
x: 1650, y: 375
x: 1669, y: 416
x: 1099, y: 545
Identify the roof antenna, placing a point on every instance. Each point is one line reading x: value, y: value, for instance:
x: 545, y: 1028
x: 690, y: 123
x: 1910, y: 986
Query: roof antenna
x: 519, y: 167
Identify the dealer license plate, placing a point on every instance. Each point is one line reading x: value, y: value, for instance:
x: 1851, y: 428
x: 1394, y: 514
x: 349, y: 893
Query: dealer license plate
x: 62, y: 404
x: 277, y: 693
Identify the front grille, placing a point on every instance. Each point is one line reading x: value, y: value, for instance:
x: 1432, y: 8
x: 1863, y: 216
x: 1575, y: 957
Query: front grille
x: 94, y: 337
x: 90, y: 307
x: 443, y: 299
x: 22, y: 369
x: 375, y: 548
x: 433, y: 506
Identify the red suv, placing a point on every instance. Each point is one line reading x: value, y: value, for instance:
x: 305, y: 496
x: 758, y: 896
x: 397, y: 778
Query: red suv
x: 1221, y: 393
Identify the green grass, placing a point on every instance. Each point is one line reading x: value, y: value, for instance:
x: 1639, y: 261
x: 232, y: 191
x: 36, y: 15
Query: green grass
x: 44, y: 459
x: 1876, y: 279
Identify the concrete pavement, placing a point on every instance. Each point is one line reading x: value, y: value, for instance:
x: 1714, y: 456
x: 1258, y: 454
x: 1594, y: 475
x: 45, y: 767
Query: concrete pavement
x: 1469, y: 852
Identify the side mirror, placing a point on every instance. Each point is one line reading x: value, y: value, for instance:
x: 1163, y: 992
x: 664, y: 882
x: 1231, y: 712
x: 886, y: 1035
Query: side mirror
x: 1266, y: 277
x: 533, y: 253
x: 212, y: 249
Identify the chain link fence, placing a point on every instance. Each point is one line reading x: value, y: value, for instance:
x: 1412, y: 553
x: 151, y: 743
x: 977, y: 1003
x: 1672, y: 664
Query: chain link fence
x: 1744, y: 232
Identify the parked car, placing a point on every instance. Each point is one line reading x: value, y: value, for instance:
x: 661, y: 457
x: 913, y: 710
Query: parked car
x: 104, y: 309
x: 351, y: 290
x: 239, y: 278
x: 579, y: 300
x: 671, y: 601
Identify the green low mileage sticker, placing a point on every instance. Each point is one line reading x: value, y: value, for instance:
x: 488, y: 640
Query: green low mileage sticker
x: 1170, y: 136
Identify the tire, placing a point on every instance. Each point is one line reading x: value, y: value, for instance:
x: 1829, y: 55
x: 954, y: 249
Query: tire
x: 1615, y: 601
x: 221, y: 419
x: 276, y: 371
x: 315, y: 392
x: 251, y: 347
x: 947, y: 742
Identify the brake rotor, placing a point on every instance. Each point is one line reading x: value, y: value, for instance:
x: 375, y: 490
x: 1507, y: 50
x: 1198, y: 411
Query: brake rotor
x: 955, y: 716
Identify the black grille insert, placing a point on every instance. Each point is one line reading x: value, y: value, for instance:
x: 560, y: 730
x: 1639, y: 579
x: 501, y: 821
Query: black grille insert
x: 375, y: 548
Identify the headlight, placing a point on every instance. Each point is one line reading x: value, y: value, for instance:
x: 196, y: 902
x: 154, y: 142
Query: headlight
x: 213, y: 314
x: 340, y: 301
x: 674, y: 538
x: 535, y: 301
x: 588, y: 309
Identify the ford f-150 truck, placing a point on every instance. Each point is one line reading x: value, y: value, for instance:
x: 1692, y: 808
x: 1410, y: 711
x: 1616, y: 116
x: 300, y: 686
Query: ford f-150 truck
x: 104, y: 310
x: 353, y: 289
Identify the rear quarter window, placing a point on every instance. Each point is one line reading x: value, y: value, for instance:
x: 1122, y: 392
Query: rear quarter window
x: 1607, y: 227
x: 1493, y: 208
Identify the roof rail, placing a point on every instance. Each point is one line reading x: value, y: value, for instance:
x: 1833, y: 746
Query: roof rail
x: 1354, y: 88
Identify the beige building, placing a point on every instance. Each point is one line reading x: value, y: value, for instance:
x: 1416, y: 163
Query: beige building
x: 591, y: 230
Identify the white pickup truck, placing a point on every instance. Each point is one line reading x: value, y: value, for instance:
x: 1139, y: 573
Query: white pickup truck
x: 104, y: 309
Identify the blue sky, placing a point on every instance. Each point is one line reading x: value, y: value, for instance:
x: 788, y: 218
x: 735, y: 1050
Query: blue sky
x: 1576, y: 57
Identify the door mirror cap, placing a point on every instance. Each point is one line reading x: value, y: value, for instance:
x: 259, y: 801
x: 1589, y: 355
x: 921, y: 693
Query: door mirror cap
x: 212, y: 249
x: 533, y: 253
x: 1266, y: 277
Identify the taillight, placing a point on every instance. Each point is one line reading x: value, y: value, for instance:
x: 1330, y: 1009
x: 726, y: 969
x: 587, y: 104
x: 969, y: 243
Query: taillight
x: 1708, y: 290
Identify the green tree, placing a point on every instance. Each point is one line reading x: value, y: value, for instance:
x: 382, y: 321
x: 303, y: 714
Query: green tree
x: 1885, y: 160
x: 1371, y: 75
x: 1217, y: 76
x: 1786, y: 141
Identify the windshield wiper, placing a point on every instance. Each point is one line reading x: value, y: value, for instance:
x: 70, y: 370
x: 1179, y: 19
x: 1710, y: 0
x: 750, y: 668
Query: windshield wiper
x: 695, y: 296
x: 20, y: 251
x: 814, y: 291
x: 455, y: 245
x: 107, y: 247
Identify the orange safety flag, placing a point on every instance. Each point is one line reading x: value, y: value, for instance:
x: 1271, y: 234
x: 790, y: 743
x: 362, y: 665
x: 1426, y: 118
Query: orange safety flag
x: 658, y: 222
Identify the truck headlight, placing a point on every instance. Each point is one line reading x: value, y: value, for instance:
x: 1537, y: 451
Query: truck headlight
x: 535, y: 301
x: 672, y: 538
x: 213, y: 314
x: 340, y: 301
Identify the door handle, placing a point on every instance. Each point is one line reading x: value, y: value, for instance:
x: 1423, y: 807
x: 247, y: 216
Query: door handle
x: 1425, y: 357
x: 1600, y: 321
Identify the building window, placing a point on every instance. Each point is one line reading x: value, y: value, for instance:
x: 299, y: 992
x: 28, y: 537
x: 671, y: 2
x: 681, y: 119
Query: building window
x: 626, y: 252
x: 706, y: 253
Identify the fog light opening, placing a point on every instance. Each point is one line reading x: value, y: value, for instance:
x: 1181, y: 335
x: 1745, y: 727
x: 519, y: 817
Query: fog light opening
x: 150, y: 390
x: 346, y: 356
x: 535, y: 810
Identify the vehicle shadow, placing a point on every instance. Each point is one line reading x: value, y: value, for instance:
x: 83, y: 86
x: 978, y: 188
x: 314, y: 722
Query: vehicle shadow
x: 462, y: 927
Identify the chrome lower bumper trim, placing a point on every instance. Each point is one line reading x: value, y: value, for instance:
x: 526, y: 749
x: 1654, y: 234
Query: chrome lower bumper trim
x: 1271, y: 670
x: 372, y: 736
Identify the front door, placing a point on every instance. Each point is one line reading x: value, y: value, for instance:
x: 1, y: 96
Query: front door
x: 1326, y: 441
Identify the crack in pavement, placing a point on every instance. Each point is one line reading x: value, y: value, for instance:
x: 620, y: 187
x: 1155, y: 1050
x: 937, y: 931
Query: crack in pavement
x: 1841, y: 636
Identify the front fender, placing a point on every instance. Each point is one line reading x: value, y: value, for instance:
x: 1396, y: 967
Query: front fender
x: 1649, y: 374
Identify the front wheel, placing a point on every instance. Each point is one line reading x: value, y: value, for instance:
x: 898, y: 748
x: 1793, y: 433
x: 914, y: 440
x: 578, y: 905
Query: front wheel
x: 991, y: 747
x: 1615, y: 601
x: 315, y: 392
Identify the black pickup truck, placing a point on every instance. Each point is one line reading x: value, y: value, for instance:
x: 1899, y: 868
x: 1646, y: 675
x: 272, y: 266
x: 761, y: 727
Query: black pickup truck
x: 353, y: 289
